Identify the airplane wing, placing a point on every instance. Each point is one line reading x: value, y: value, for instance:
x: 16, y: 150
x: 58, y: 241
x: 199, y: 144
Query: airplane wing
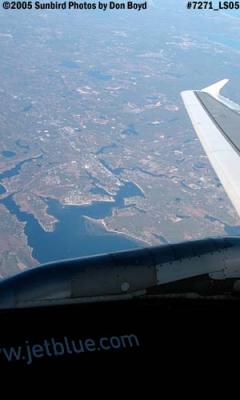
x: 216, y: 121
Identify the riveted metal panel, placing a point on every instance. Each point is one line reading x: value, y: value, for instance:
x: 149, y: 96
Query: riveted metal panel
x: 186, y: 268
x: 134, y: 258
x: 120, y: 273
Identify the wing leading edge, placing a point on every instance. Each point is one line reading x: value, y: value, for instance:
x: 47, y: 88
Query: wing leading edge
x: 216, y: 121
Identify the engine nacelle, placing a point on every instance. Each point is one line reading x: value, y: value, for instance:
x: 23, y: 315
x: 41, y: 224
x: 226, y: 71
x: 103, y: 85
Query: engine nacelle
x: 207, y: 267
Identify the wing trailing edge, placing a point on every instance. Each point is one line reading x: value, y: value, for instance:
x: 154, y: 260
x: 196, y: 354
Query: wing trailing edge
x: 216, y: 121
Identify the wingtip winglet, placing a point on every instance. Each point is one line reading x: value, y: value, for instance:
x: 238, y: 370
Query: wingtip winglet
x: 215, y: 88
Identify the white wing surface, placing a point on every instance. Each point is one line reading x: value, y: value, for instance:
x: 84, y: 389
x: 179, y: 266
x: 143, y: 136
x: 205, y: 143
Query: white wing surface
x: 216, y: 121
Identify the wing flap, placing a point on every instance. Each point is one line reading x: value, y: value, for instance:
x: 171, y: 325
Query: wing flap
x: 222, y: 152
